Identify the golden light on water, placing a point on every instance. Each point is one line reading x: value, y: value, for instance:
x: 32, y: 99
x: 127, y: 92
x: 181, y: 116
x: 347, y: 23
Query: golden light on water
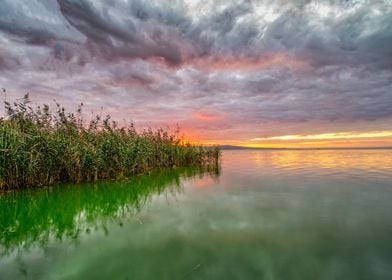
x: 340, y: 160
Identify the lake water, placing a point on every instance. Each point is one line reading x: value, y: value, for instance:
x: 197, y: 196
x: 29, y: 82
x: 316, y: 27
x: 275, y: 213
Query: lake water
x: 262, y: 215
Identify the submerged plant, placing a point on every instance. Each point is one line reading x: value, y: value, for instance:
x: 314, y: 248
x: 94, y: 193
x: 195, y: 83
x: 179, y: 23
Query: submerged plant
x: 40, y: 147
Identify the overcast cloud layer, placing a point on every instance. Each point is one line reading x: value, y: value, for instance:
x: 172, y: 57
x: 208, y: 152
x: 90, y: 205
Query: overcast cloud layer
x: 222, y: 70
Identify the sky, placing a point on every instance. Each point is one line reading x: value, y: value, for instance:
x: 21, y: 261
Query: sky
x: 279, y: 73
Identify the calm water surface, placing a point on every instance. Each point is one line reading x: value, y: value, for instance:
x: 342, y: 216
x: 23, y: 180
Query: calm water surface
x: 263, y: 215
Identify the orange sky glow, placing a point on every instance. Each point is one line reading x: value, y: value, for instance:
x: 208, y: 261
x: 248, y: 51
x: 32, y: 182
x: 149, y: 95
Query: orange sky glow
x: 324, y: 140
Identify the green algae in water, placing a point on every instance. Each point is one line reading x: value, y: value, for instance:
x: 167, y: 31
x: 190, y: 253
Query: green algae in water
x: 32, y: 217
x: 265, y: 215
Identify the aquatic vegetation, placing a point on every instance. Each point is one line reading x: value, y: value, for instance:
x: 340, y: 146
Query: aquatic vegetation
x: 39, y: 147
x: 66, y: 211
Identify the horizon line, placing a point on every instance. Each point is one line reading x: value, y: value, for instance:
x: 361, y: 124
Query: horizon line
x: 239, y: 147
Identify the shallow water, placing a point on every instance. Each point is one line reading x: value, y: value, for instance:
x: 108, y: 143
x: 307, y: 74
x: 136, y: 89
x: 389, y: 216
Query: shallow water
x: 263, y: 215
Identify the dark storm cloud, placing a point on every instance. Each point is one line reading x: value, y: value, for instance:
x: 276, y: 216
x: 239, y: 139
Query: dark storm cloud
x: 128, y: 38
x: 34, y: 22
x: 144, y: 29
x: 244, y: 61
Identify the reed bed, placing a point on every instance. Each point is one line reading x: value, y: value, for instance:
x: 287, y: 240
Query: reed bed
x: 40, y: 146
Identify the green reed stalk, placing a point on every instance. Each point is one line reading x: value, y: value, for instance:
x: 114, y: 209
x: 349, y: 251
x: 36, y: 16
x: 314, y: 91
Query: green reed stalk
x: 39, y: 147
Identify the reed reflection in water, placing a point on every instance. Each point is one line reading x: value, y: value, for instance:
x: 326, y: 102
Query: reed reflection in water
x: 268, y: 215
x: 65, y: 212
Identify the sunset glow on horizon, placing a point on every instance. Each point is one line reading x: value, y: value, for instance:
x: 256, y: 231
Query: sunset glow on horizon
x: 272, y: 74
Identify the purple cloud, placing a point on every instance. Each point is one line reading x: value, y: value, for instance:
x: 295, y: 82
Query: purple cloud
x: 258, y: 65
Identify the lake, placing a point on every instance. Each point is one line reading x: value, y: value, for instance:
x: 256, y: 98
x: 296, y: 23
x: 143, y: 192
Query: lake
x: 264, y: 214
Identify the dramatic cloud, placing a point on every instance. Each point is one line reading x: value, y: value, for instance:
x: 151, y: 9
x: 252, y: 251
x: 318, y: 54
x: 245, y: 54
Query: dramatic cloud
x: 222, y: 70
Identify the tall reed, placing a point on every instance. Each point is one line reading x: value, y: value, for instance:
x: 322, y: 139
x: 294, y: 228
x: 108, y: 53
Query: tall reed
x: 39, y: 147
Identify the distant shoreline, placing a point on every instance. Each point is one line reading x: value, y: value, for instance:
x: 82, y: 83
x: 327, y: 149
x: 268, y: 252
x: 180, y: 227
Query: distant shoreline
x: 230, y: 147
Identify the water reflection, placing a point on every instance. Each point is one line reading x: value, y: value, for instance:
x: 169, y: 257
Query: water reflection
x: 270, y: 215
x: 322, y: 159
x: 338, y: 163
x: 67, y: 211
